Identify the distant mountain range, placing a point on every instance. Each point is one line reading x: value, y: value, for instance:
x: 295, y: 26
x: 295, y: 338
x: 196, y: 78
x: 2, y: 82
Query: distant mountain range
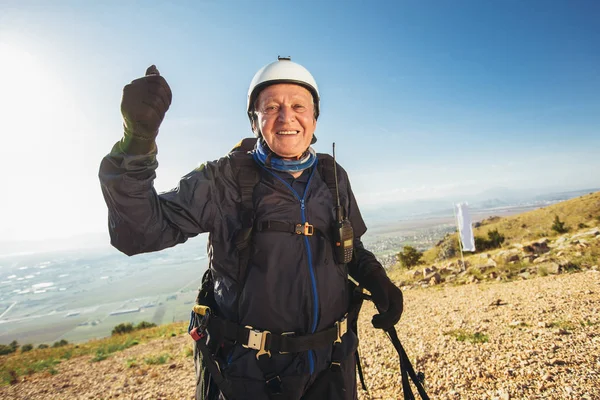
x: 490, y: 199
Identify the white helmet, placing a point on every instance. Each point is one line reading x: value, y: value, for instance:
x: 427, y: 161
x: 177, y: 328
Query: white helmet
x: 281, y: 71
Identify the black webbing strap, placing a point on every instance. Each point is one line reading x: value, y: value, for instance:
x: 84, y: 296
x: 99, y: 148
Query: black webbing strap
x: 326, y: 166
x: 215, y: 372
x: 227, y: 330
x: 247, y: 176
x: 406, y: 370
x: 295, y: 228
x: 360, y: 371
x: 272, y: 379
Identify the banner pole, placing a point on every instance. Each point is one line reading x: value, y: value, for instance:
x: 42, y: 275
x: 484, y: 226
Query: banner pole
x: 462, y: 257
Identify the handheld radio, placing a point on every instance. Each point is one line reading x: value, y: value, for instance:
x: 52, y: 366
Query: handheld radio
x: 343, y: 234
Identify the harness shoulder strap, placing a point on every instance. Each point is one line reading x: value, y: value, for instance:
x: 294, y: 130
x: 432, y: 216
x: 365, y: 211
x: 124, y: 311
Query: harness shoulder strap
x: 326, y: 169
x: 247, y: 176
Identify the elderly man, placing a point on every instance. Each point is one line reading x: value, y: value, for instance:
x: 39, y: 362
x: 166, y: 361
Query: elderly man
x: 275, y: 308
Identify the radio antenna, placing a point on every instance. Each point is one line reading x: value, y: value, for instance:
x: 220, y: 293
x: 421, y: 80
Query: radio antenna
x: 338, y: 209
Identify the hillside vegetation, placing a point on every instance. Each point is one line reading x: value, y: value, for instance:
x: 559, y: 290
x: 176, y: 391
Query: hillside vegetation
x: 531, y: 244
x: 46, y: 359
x: 535, y: 224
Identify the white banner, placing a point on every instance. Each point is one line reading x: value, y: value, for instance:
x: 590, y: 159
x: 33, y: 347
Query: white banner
x: 465, y: 230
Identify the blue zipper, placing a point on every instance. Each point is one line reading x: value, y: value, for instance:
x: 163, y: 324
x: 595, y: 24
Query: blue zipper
x: 315, y: 293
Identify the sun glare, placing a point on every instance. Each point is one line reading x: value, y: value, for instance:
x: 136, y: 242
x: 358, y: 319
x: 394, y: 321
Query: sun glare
x: 35, y: 129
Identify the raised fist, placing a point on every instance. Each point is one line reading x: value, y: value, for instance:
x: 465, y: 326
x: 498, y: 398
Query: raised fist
x: 144, y: 105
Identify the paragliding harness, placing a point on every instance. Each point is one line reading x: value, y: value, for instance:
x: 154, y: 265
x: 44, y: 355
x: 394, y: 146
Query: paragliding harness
x: 215, y: 335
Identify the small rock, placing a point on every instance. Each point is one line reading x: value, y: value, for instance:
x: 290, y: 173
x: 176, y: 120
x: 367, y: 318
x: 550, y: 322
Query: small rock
x: 445, y: 270
x: 483, y: 268
x: 551, y: 268
x: 525, y: 275
x: 415, y: 273
x: 561, y: 239
x: 568, y: 390
x: 513, y: 258
x: 435, y: 279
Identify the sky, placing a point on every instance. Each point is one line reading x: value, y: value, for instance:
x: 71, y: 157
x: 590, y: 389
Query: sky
x: 424, y: 99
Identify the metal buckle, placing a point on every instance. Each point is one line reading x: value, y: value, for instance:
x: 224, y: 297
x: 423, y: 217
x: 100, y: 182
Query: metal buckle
x: 342, y: 328
x: 287, y: 334
x: 257, y: 340
x: 335, y: 366
x: 306, y: 229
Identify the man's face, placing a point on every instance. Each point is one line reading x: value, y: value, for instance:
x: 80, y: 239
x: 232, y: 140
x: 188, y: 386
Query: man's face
x: 286, y: 118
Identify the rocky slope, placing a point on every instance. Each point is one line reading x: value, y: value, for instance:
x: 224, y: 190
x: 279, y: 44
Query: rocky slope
x: 545, y: 256
x: 528, y: 339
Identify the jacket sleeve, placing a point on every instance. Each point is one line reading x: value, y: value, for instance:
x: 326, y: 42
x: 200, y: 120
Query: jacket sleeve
x: 363, y: 261
x: 139, y: 219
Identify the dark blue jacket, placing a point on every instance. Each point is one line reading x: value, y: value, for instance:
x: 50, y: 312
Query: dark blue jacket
x: 293, y: 283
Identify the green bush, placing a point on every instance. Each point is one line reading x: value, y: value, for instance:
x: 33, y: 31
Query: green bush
x: 4, y: 350
x: 496, y: 238
x: 128, y: 327
x: 582, y: 225
x: 122, y: 328
x: 409, y: 257
x: 493, y: 241
x: 145, y: 325
x: 26, y: 347
x: 43, y: 346
x: 10, y: 348
x: 60, y: 343
x: 559, y: 226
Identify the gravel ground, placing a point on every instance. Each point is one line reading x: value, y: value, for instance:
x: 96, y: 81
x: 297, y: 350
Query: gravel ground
x: 543, y: 342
